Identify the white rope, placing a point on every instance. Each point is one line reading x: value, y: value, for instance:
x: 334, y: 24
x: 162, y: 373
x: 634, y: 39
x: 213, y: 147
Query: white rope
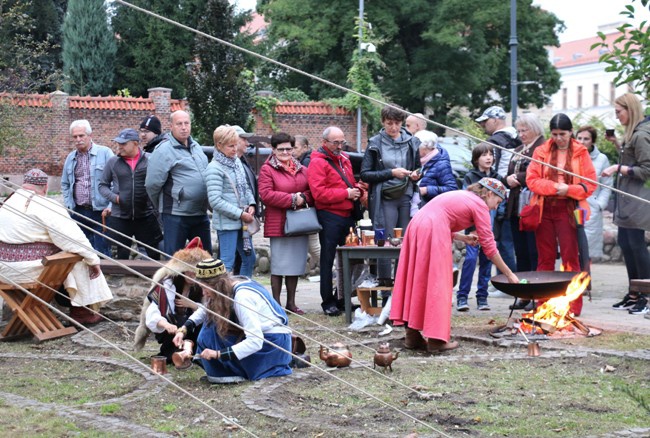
x: 128, y: 355
x: 364, y: 96
x: 360, y: 364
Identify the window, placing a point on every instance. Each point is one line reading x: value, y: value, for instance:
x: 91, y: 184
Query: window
x: 595, y: 95
x: 580, y: 96
x: 564, y: 98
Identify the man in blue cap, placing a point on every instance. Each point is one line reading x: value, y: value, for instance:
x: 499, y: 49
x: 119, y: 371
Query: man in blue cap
x: 122, y: 184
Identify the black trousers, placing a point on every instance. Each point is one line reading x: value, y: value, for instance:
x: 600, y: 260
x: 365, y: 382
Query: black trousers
x: 145, y: 230
x: 335, y: 228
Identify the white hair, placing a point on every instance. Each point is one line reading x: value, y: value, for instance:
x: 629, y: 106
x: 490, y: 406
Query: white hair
x: 428, y: 139
x: 81, y: 123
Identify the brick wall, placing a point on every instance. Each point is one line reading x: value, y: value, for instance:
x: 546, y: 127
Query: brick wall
x: 44, y: 121
x: 310, y: 119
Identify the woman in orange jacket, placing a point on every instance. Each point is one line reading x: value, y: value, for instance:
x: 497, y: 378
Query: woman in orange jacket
x: 558, y: 193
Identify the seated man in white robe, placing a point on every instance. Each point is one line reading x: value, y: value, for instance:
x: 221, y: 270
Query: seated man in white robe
x: 32, y: 227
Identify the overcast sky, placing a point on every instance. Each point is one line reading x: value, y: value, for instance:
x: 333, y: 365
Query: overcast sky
x: 581, y: 17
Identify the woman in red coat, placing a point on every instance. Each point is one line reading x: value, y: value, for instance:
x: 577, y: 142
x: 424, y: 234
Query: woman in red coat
x: 557, y: 193
x: 283, y: 185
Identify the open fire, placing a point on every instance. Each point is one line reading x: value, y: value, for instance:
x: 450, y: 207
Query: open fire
x: 552, y: 318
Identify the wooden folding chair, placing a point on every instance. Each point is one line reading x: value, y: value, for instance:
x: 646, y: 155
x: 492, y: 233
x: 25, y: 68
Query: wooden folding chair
x: 29, y: 314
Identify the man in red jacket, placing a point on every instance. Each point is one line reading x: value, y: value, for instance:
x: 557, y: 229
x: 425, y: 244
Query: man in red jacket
x: 334, y: 199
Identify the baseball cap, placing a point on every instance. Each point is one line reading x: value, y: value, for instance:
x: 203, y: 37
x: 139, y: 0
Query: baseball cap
x: 494, y: 112
x: 127, y: 135
x: 241, y: 132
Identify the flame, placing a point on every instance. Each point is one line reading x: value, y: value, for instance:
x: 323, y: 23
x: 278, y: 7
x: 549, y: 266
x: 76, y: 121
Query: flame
x: 555, y: 310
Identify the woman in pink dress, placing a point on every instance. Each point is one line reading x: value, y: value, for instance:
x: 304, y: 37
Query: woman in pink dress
x: 423, y: 286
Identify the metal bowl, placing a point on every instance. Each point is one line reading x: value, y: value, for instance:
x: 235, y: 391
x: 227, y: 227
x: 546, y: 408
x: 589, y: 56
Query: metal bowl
x: 541, y: 285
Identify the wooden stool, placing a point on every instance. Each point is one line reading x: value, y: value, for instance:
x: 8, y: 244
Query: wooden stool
x: 29, y: 314
x: 365, y: 294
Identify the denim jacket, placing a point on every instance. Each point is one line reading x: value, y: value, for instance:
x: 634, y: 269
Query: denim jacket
x: 99, y: 156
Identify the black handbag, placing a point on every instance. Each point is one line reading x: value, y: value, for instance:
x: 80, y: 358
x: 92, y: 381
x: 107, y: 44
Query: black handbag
x: 301, y: 222
x: 357, y: 209
x: 393, y: 192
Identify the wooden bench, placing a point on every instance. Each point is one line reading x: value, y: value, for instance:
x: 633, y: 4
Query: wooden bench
x: 29, y: 314
x: 640, y: 286
x: 144, y: 267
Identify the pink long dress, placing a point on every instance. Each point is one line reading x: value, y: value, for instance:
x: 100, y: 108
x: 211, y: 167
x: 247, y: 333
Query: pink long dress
x: 422, y: 295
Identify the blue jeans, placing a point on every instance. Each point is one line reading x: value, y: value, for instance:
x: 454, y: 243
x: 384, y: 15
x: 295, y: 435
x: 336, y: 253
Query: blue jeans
x: 335, y: 228
x: 484, y: 272
x: 506, y: 245
x: 180, y: 229
x: 94, y: 235
x: 231, y: 242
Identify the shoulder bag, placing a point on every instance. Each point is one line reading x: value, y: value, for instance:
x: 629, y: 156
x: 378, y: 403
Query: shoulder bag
x: 301, y: 222
x: 357, y: 210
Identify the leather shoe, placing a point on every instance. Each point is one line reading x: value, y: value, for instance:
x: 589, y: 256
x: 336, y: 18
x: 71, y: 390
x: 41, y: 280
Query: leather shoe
x: 520, y: 305
x: 332, y: 311
x: 297, y: 310
x: 438, y: 346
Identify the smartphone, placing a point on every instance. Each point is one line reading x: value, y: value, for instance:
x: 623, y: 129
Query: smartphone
x: 609, y: 132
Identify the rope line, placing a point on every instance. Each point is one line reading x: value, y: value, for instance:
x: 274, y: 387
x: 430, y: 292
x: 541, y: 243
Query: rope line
x: 360, y: 364
x: 364, y: 96
x: 128, y: 355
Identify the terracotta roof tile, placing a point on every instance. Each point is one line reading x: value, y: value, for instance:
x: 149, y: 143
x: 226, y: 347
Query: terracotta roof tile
x: 579, y: 52
x: 112, y: 103
x: 32, y: 100
x: 177, y: 104
x: 310, y: 108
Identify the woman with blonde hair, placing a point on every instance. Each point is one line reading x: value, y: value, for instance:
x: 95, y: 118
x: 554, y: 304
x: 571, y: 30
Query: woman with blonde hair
x: 631, y: 215
x: 241, y: 323
x: 231, y: 199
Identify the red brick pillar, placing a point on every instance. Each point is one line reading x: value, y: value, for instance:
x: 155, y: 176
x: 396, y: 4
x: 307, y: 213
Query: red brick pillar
x: 162, y: 102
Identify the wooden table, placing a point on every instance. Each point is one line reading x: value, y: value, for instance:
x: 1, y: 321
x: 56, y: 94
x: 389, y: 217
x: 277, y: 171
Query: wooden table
x: 348, y: 253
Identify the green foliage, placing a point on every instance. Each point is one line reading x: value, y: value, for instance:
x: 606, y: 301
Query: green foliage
x: 629, y: 55
x: 217, y: 90
x: 467, y: 125
x: 27, y: 53
x: 366, y: 66
x: 438, y: 54
x: 293, y: 95
x: 265, y: 107
x: 169, y: 407
x: 151, y: 52
x: 88, y: 48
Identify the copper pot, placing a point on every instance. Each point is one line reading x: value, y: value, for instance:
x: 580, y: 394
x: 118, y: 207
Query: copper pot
x: 159, y: 364
x: 533, y: 349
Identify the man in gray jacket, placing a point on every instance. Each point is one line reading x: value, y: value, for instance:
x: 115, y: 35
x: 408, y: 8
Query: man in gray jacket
x: 175, y: 185
x: 131, y: 213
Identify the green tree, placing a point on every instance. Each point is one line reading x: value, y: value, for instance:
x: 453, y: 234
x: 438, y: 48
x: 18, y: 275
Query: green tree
x: 629, y: 54
x: 439, y: 54
x: 88, y: 48
x: 219, y: 86
x: 27, y: 63
x: 152, y: 52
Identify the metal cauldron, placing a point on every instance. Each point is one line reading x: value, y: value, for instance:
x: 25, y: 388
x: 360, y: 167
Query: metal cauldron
x: 542, y: 285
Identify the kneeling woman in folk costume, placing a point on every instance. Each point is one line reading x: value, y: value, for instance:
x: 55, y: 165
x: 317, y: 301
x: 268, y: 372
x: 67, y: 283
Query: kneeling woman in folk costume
x: 163, y: 311
x: 423, y: 289
x: 228, y: 353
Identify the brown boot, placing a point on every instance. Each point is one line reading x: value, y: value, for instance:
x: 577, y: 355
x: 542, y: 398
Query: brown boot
x: 414, y: 340
x: 438, y: 346
x: 84, y: 316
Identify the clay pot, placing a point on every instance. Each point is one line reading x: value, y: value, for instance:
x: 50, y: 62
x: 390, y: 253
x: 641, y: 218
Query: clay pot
x: 338, y: 355
x: 383, y: 357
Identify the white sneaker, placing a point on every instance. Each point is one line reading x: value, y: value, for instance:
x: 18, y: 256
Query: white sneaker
x: 493, y: 292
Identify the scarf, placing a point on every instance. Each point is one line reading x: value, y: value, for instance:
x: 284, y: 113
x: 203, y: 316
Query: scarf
x: 240, y: 175
x: 291, y: 167
x: 424, y: 160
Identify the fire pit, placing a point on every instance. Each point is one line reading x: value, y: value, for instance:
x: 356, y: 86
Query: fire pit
x: 552, y: 317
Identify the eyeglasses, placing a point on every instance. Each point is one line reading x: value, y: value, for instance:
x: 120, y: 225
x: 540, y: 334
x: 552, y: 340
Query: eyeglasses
x: 337, y: 143
x: 284, y: 150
